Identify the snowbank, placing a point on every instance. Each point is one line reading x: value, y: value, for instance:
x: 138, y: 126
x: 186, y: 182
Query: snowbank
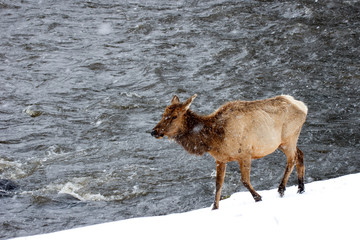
x: 328, y: 209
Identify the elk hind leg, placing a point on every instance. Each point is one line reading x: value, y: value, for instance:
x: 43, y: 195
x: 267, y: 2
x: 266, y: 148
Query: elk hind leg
x: 220, y: 175
x: 291, y: 155
x: 300, y: 169
x: 245, y: 168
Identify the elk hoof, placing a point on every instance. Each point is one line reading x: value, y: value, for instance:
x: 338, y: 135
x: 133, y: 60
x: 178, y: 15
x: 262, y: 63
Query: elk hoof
x: 301, y: 191
x: 258, y: 199
x: 301, y: 187
x: 281, y: 191
x: 215, y: 207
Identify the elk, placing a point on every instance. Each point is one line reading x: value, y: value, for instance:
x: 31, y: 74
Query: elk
x: 239, y: 131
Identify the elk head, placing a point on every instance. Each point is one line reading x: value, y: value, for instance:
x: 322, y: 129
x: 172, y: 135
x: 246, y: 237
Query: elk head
x: 172, y: 120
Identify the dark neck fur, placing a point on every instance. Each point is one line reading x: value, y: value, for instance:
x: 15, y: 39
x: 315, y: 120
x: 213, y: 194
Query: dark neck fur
x: 200, y: 133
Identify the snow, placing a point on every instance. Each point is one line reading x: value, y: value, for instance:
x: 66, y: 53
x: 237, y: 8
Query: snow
x: 105, y: 29
x: 328, y: 209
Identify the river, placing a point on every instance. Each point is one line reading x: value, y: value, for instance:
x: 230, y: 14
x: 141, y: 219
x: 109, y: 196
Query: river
x: 84, y: 82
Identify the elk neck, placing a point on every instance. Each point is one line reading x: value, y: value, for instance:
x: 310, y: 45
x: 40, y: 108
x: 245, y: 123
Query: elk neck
x: 199, y: 134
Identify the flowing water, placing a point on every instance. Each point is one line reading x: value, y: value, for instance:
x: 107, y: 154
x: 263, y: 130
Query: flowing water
x: 84, y: 82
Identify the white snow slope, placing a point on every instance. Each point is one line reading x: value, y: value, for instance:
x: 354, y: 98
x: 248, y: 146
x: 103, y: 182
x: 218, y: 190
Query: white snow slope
x: 327, y: 210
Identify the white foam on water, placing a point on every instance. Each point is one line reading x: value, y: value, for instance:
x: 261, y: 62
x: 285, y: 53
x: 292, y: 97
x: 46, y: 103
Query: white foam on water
x: 74, y: 189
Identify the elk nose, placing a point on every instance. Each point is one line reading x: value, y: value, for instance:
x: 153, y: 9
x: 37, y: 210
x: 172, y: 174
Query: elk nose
x: 154, y: 133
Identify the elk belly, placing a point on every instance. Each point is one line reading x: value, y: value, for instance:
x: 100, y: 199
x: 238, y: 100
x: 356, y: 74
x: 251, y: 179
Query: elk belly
x: 265, y: 142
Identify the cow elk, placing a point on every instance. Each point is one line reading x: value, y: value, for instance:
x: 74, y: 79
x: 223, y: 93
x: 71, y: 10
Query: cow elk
x: 239, y: 131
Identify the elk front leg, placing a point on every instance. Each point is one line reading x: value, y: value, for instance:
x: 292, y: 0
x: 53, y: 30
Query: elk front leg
x: 220, y: 175
x: 245, y: 168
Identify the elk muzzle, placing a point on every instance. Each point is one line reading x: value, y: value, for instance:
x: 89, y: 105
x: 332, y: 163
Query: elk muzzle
x: 156, y: 134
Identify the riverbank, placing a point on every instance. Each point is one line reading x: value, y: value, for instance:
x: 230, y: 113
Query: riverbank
x: 327, y: 209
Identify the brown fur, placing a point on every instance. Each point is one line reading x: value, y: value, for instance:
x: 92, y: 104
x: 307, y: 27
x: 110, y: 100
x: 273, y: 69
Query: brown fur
x: 239, y: 131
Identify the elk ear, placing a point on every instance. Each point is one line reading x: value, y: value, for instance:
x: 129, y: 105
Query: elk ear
x: 175, y: 100
x: 189, y: 101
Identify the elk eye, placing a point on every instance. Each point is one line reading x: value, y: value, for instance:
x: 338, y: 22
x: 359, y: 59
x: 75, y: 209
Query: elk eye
x: 174, y: 117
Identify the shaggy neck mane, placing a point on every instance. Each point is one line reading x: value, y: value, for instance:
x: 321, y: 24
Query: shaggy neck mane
x: 199, y: 134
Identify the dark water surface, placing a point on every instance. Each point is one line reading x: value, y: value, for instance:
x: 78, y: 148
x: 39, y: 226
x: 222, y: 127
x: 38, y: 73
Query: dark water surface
x: 83, y: 82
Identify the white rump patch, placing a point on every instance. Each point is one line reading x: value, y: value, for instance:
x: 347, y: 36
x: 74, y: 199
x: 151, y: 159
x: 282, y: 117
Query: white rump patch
x: 297, y: 103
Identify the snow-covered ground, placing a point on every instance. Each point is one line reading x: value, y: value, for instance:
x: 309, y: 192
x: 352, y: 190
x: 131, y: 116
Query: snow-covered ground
x: 327, y: 210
